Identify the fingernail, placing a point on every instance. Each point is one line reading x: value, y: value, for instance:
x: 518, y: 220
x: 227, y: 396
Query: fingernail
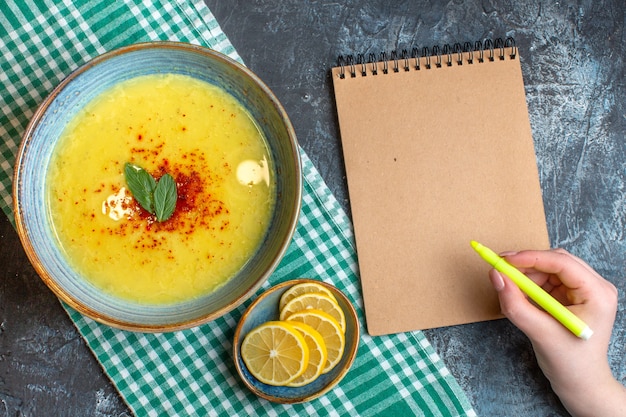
x: 496, y: 280
x: 507, y: 253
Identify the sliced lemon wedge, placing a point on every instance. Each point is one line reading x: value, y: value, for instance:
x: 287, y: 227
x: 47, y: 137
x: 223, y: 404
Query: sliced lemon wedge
x: 315, y: 301
x: 275, y: 353
x: 317, y: 354
x: 330, y: 330
x: 302, y: 288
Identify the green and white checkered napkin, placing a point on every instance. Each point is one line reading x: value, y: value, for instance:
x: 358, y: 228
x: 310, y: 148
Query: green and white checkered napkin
x: 191, y: 372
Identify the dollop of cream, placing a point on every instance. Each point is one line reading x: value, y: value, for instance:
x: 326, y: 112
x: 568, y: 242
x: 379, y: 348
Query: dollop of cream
x: 251, y: 172
x: 117, y: 205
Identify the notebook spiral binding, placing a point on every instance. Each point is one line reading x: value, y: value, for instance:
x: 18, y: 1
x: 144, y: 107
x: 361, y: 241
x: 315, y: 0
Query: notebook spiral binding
x: 447, y: 55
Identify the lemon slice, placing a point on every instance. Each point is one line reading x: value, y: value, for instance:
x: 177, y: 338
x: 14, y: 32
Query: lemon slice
x: 317, y: 354
x: 275, y: 353
x: 302, y: 288
x: 330, y: 330
x: 316, y: 301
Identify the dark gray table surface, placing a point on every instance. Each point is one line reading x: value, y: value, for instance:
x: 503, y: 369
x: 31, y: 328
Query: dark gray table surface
x: 573, y: 64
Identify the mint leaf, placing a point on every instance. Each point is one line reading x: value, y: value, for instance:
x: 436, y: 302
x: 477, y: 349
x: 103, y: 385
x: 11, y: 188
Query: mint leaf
x: 141, y: 185
x: 158, y: 198
x: 165, y: 196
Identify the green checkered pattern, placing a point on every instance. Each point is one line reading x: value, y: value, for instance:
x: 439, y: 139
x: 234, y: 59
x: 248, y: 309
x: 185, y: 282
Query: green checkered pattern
x: 191, y: 372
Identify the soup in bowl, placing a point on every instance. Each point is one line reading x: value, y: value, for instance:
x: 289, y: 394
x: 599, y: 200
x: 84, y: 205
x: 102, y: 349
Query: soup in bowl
x: 157, y: 187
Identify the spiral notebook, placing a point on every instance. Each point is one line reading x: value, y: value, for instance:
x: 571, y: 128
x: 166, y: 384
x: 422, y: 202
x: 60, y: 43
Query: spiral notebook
x: 438, y: 151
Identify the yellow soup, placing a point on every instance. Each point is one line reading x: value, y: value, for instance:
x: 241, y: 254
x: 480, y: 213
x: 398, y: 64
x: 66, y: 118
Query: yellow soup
x: 221, y: 165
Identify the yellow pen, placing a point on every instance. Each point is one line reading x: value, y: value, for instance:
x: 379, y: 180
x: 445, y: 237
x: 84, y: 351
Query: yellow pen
x: 535, y: 292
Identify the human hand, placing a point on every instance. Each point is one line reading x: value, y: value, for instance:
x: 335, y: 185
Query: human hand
x: 577, y: 369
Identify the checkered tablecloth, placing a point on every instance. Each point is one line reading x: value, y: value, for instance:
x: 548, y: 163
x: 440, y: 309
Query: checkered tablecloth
x: 191, y: 372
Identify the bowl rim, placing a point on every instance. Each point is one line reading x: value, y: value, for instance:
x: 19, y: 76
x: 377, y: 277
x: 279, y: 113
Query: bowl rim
x: 351, y: 352
x: 21, y: 223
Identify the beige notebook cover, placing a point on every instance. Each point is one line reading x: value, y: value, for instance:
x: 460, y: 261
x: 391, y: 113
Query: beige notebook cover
x: 437, y: 157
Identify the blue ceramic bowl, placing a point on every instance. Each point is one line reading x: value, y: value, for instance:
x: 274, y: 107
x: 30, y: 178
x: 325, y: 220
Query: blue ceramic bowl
x: 38, y: 144
x: 265, y: 308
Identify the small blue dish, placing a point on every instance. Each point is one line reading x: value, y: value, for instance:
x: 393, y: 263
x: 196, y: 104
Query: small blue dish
x: 265, y: 308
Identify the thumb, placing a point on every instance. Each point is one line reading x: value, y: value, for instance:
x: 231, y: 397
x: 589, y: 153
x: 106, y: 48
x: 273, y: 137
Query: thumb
x: 530, y: 319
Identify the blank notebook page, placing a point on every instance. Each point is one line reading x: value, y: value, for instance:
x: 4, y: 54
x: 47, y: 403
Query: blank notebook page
x: 436, y: 157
